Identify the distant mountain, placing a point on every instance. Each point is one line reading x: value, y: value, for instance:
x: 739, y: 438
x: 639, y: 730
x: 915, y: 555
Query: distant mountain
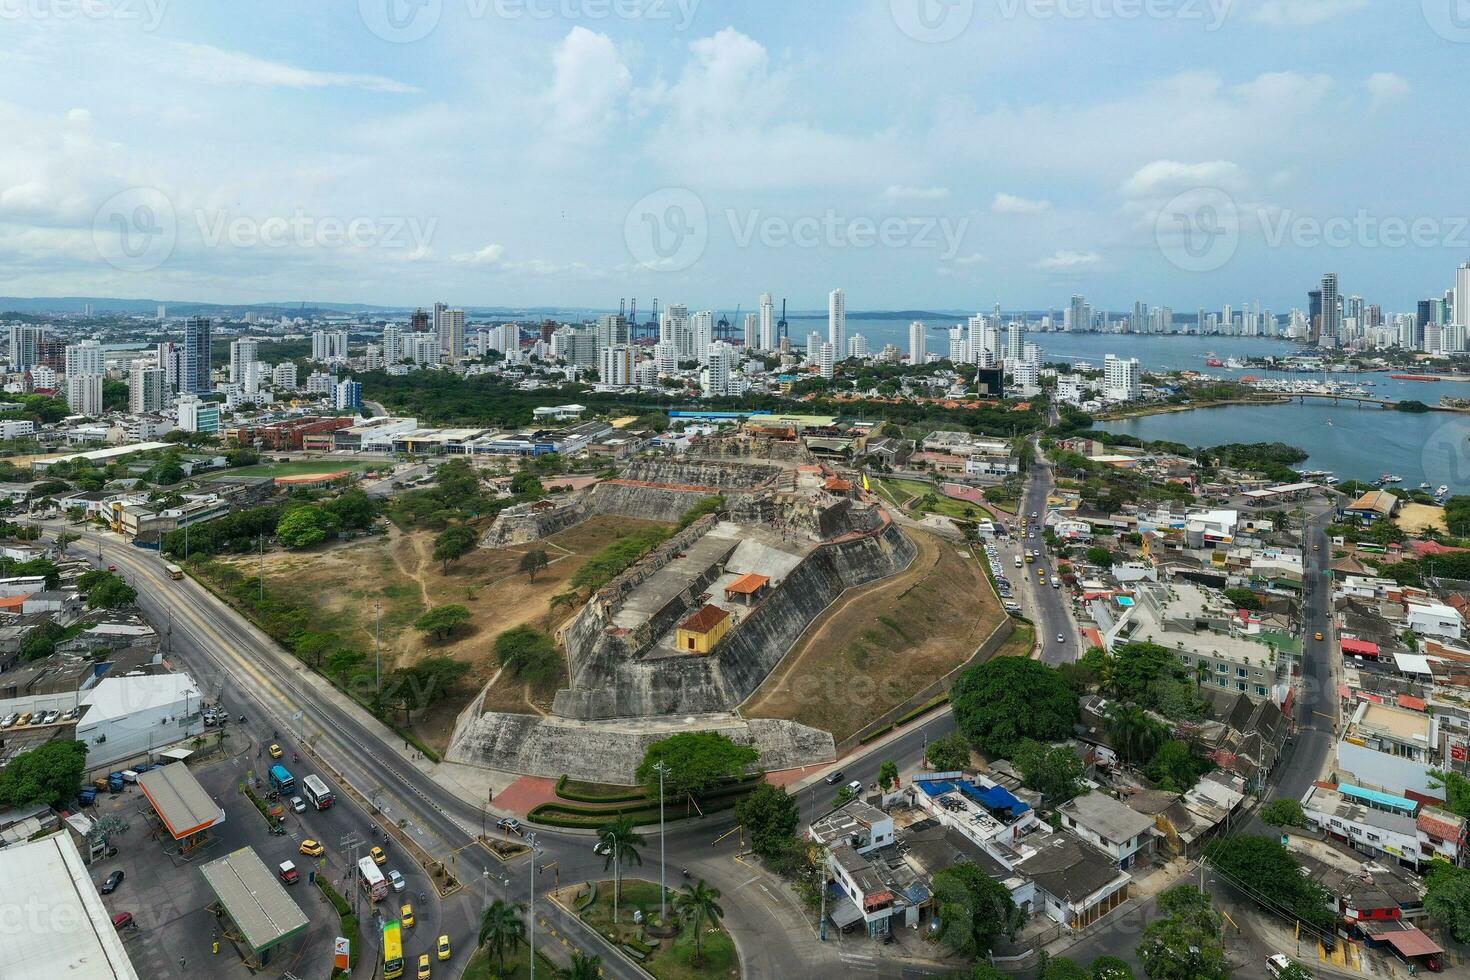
x: 56, y: 305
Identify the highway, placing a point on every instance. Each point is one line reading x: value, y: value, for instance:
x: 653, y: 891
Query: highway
x: 1046, y: 606
x: 234, y: 661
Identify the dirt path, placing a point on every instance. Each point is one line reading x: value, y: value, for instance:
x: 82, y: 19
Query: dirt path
x: 774, y: 686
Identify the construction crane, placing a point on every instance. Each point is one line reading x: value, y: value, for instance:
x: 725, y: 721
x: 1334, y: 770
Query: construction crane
x: 781, y: 323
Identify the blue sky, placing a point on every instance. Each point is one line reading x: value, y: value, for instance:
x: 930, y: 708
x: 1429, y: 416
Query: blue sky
x: 917, y: 153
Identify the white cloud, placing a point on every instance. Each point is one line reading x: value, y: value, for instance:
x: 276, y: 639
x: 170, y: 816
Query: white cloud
x: 1385, y: 88
x: 1011, y: 204
x: 974, y: 258
x: 904, y: 192
x: 588, y: 87
x: 206, y: 63
x: 1169, y: 177
x: 1064, y: 260
x: 1303, y: 13
x: 489, y: 255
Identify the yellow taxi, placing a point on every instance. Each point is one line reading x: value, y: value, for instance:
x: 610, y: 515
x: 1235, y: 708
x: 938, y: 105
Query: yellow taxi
x: 311, y: 848
x: 444, y: 947
x: 406, y: 916
x: 379, y: 858
x: 423, y: 966
x: 1317, y: 635
x: 275, y: 751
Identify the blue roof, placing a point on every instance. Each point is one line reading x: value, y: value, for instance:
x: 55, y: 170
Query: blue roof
x: 934, y: 788
x: 678, y: 413
x: 1382, y: 799
x: 994, y: 798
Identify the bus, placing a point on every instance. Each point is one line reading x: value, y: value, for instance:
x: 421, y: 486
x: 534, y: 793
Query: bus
x: 281, y: 779
x: 316, y: 792
x: 392, y: 949
x: 372, y: 880
x: 174, y: 571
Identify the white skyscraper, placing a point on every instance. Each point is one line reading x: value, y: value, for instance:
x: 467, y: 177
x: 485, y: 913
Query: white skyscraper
x: 959, y: 346
x: 837, y: 319
x: 243, y: 353
x: 666, y: 359
x: 25, y: 343
x: 768, y: 323
x: 719, y: 373
x: 84, y: 393
x: 1122, y: 379
x: 85, y: 358
x: 701, y: 335
x: 451, y: 333
x: 918, y: 339
x: 1016, y: 341
x: 1462, y: 295
x: 145, y: 389
x: 857, y: 346
x: 752, y: 331
x: 673, y: 328
x: 392, y: 345
x: 327, y: 346
x: 826, y: 359
x: 616, y: 365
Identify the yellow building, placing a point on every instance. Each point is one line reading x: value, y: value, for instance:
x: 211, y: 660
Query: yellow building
x: 700, y: 632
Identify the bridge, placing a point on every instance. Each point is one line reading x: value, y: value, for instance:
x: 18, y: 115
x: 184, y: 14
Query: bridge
x: 1302, y: 396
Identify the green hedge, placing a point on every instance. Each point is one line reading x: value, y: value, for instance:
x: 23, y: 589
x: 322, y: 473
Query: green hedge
x: 871, y: 736
x: 927, y: 706
x: 632, y: 796
x: 349, y: 923
x: 572, y: 815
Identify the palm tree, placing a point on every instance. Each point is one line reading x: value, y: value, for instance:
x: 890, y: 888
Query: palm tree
x: 1134, y: 733
x: 502, y: 929
x: 618, y: 844
x: 583, y: 968
x: 697, y: 904
x: 1201, y: 674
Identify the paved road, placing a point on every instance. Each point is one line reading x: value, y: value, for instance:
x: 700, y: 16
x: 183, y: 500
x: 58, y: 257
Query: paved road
x: 1046, y: 606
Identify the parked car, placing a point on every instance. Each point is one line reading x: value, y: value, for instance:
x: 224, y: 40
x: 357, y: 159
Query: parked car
x: 113, y: 880
x: 288, y: 873
x: 396, y: 880
x: 8, y: 720
x: 856, y: 786
x: 834, y: 777
x: 508, y: 824
x: 123, y: 920
x: 52, y: 717
x: 311, y: 848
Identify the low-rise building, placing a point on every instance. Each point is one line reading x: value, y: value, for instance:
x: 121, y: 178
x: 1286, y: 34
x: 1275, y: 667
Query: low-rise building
x: 1112, y: 827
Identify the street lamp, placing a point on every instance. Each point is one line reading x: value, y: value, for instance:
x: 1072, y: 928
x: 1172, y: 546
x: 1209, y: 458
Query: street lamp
x: 663, y: 770
x: 531, y: 926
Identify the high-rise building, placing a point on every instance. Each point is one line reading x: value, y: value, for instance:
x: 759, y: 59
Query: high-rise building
x: 857, y: 347
x: 194, y: 358
x: 450, y: 332
x: 768, y: 338
x: 171, y: 360
x: 615, y: 365
x: 814, y: 344
x: 1077, y: 317
x: 284, y: 375
x: 612, y: 330
x: 826, y: 360
x: 1016, y: 341
x: 86, y: 357
x: 243, y: 353
x: 752, y: 331
x: 718, y: 378
x: 701, y: 335
x: 1462, y: 295
x: 145, y: 389
x: 328, y: 346
x: 673, y: 328
x: 1331, y: 311
x: 418, y: 322
x: 1314, y: 315
x: 918, y: 340
x: 393, y: 344
x: 837, y: 319
x: 196, y: 415
x: 1122, y: 379
x: 347, y: 395
x: 84, y: 394
x: 25, y: 342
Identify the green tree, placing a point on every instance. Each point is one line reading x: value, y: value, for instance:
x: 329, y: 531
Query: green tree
x: 41, y: 641
x: 1098, y: 555
x: 352, y: 509
x: 49, y: 773
x: 1111, y: 968
x: 1062, y: 968
x: 1175, y: 950
x: 618, y: 844
x: 1002, y: 701
x: 1054, y: 771
x: 1284, y: 812
x: 697, y: 762
x: 949, y: 753
x: 528, y: 653
x: 314, y: 647
x: 527, y: 485
x: 453, y: 543
x: 583, y: 967
x: 1243, y: 598
x: 303, y: 526
x: 1133, y: 733
x: 887, y: 774
x: 696, y: 905
x: 502, y: 929
x: 532, y: 562
x: 1448, y: 898
x: 1174, y: 767
x: 111, y: 593
x: 442, y: 620
x: 770, y: 816
x: 1264, y: 868
x: 342, y: 663
x: 974, y: 909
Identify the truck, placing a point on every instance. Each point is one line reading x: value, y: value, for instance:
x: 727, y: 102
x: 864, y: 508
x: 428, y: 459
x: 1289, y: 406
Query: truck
x: 87, y: 796
x: 281, y: 779
x: 174, y: 572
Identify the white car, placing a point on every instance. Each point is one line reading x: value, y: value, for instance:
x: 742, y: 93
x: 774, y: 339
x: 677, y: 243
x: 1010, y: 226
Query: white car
x: 298, y: 805
x: 8, y: 720
x: 397, y: 881
x: 1061, y: 639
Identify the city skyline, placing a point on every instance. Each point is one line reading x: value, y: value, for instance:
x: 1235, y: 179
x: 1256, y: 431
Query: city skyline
x: 512, y: 160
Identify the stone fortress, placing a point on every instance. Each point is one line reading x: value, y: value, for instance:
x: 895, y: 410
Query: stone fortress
x: 681, y: 639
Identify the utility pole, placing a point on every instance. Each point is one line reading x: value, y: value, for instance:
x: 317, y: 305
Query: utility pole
x: 662, y: 769
x: 531, y: 909
x: 377, y: 645
x: 822, y: 921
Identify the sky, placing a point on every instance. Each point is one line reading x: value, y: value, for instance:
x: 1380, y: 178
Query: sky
x: 919, y: 154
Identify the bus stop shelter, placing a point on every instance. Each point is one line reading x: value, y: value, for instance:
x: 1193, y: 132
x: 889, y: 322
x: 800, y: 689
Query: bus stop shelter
x: 184, y: 807
x: 256, y: 912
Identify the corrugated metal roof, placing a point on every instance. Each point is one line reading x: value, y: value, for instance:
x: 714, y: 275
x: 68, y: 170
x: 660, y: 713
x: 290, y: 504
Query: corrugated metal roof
x: 254, y: 898
x: 185, y: 807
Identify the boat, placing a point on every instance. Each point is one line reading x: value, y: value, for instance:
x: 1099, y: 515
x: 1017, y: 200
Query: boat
x: 1425, y: 485
x: 1214, y: 362
x: 1391, y: 478
x: 1443, y: 491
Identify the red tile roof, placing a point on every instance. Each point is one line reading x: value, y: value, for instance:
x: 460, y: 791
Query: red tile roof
x: 705, y: 619
x: 747, y: 584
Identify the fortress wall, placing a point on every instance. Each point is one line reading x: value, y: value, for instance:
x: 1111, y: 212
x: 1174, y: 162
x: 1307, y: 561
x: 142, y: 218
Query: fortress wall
x: 525, y: 523
x: 610, y: 753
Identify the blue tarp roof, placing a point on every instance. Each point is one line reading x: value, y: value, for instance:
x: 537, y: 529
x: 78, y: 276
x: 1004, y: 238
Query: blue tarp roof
x: 1374, y: 796
x: 934, y: 788
x: 994, y: 798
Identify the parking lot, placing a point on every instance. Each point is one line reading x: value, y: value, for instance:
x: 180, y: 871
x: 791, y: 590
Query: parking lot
x: 168, y: 897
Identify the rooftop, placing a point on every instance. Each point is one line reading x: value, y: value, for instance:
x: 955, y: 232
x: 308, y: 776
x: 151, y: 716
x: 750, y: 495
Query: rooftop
x: 119, y: 697
x: 1107, y: 817
x: 1066, y: 867
x: 254, y: 898
x: 184, y: 806
x: 63, y: 930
